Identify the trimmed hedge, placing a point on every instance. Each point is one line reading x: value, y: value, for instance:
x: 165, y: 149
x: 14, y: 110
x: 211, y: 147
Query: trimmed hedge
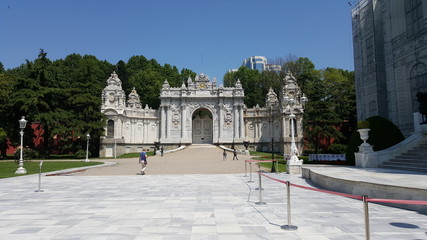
x: 383, y: 134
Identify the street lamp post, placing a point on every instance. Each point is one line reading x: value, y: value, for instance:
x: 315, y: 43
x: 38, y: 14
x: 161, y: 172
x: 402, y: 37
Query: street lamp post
x: 21, y: 169
x: 294, y: 150
x: 87, y: 147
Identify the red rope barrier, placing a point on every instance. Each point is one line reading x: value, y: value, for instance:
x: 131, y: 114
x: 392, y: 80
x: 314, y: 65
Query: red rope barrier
x: 274, y: 179
x: 329, y: 192
x: 378, y: 200
x: 412, y: 202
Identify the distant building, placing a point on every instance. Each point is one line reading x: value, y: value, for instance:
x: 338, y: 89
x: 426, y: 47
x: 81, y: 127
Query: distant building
x: 255, y: 63
x: 273, y: 68
x: 390, y: 58
x: 259, y: 63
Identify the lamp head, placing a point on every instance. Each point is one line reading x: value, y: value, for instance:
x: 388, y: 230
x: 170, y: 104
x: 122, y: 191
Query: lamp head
x: 22, y: 123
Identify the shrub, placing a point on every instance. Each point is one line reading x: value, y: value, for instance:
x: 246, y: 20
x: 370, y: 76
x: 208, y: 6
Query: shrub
x: 27, y: 154
x: 362, y: 124
x: 337, y: 148
x: 80, y: 154
x: 383, y: 134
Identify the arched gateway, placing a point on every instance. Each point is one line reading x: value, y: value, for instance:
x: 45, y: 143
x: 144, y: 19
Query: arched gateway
x: 199, y: 112
x: 202, y: 126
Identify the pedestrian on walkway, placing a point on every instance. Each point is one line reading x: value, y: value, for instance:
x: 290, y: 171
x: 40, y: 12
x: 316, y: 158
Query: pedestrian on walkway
x: 143, y: 161
x: 224, y: 155
x: 235, y: 155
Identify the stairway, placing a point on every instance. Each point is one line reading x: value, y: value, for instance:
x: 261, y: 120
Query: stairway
x: 413, y: 160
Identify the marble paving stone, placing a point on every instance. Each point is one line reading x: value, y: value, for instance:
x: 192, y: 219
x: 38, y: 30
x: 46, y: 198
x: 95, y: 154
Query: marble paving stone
x: 220, y: 206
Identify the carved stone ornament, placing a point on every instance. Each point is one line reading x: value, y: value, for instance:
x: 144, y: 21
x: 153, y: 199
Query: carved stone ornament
x: 202, y: 78
x: 271, y: 98
x: 114, y: 80
x: 418, y: 69
x: 175, y: 111
x: 133, y: 100
x: 228, y: 117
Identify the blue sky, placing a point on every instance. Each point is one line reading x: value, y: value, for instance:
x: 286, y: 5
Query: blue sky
x: 204, y: 36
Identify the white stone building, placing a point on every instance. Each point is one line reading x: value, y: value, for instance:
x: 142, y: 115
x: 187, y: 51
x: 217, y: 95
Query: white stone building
x: 200, y: 112
x: 390, y: 58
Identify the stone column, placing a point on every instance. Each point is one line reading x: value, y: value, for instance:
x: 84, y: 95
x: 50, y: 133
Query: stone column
x: 168, y: 127
x: 235, y: 122
x: 221, y: 121
x: 162, y: 122
x: 183, y: 114
x: 242, y: 125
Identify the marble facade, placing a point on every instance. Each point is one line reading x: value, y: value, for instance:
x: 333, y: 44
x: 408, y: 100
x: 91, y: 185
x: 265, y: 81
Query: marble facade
x: 200, y: 112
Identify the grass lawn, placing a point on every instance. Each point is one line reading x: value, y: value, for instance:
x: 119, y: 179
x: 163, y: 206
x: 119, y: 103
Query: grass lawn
x: 134, y: 155
x: 8, y: 168
x: 267, y: 156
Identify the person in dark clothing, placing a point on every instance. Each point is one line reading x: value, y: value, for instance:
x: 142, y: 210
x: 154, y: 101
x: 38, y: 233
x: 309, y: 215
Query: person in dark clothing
x: 235, y: 155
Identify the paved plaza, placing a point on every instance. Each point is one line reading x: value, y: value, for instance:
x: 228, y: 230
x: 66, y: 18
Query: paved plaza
x: 188, y: 206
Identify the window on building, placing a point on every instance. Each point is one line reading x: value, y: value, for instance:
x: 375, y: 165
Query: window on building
x: 414, y: 17
x: 110, y: 129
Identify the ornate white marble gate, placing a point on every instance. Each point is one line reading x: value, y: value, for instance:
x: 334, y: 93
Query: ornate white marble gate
x: 200, y: 112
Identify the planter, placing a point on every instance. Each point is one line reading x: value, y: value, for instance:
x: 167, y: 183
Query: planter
x: 364, y: 134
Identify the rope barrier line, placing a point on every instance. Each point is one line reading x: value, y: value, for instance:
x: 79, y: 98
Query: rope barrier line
x: 316, y: 189
x: 274, y: 179
x: 411, y: 202
x: 329, y: 192
x: 378, y: 200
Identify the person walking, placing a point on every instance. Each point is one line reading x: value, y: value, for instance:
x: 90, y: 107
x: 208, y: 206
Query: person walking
x: 224, y: 155
x: 235, y: 155
x: 143, y: 161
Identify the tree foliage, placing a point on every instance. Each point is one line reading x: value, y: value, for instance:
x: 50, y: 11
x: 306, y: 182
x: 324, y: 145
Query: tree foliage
x: 63, y: 97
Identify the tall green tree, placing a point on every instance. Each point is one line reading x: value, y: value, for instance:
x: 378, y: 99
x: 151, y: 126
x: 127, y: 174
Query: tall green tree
x: 36, y: 97
x: 148, y: 84
x: 6, y: 110
x: 320, y: 119
x: 251, y: 83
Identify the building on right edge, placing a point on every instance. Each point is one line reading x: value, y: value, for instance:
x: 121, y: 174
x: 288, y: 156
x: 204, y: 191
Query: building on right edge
x: 390, y: 58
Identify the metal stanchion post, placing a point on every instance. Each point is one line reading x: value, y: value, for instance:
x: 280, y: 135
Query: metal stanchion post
x: 246, y: 169
x: 366, y: 210
x: 40, y: 177
x: 259, y: 170
x: 250, y: 172
x: 277, y: 166
x: 260, y: 190
x: 289, y: 227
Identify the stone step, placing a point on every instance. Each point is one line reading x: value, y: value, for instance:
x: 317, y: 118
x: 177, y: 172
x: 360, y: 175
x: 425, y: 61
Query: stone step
x: 406, y: 164
x: 413, y: 153
x: 415, y: 169
x: 408, y: 158
x: 409, y: 161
